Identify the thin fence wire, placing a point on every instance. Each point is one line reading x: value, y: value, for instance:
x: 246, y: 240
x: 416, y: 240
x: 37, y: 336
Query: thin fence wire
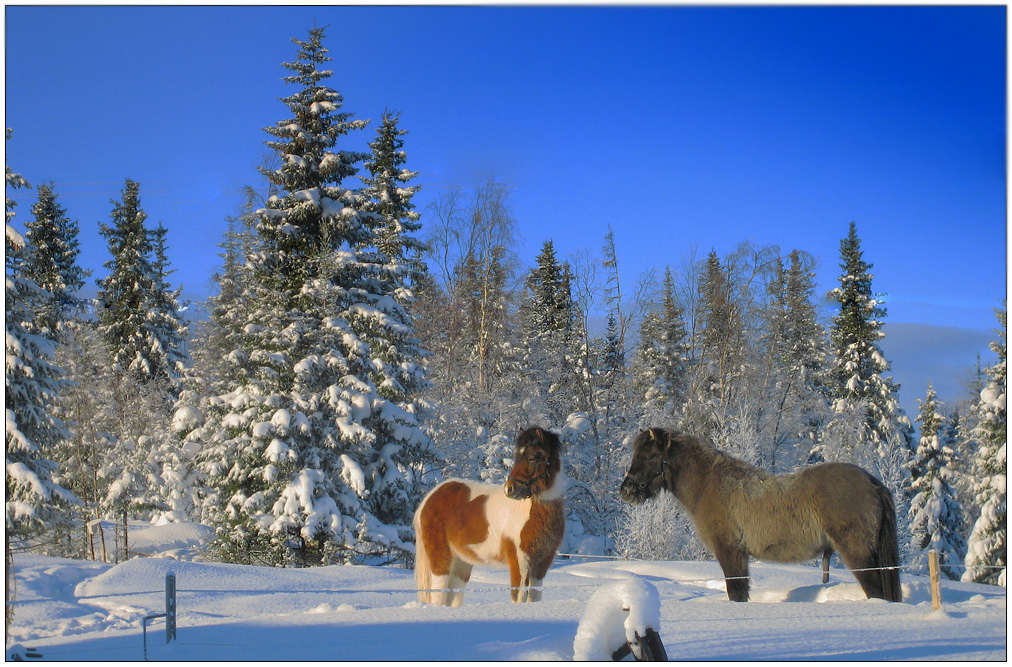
x: 482, y: 588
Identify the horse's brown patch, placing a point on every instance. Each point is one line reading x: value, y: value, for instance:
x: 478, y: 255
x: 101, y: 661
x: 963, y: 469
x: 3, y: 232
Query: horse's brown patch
x: 542, y: 534
x: 508, y: 555
x: 452, y: 515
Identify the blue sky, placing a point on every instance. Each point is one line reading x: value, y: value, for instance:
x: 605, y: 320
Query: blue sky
x: 681, y: 127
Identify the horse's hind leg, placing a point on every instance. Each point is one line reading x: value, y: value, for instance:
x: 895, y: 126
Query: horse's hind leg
x: 826, y: 555
x: 861, y: 561
x: 734, y: 562
x: 460, y: 573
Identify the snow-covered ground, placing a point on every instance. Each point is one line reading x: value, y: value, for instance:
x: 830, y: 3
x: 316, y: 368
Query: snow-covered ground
x: 79, y: 610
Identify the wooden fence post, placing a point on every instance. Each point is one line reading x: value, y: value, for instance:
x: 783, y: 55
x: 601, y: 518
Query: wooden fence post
x: 936, y: 593
x: 91, y: 540
x: 101, y: 535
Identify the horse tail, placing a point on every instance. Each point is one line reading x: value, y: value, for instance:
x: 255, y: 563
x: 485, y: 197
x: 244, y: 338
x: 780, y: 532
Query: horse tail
x: 887, y: 551
x: 423, y: 570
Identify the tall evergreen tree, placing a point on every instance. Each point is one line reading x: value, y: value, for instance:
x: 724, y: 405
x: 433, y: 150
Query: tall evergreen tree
x: 395, y: 220
x: 798, y: 356
x: 662, y: 356
x: 987, y: 551
x: 384, y: 319
x: 858, y: 373
x: 547, y: 324
x: 935, y: 514
x: 165, y: 323
x: 33, y: 500
x: 720, y: 347
x: 306, y: 453
x: 137, y: 317
x: 53, y: 265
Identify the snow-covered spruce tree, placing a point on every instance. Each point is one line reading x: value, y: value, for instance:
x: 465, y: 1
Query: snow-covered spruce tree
x: 987, y: 548
x: 138, y: 317
x: 165, y: 323
x: 935, y: 515
x: 547, y: 319
x: 53, y: 265
x: 661, y: 360
x: 797, y: 363
x: 32, y: 500
x: 719, y: 344
x: 303, y: 453
x: 139, y: 323
x: 395, y: 220
x: 858, y: 377
x: 957, y: 435
x: 123, y: 295
x: 382, y: 315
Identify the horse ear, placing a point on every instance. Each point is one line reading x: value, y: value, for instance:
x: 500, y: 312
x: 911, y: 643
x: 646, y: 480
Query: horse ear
x: 547, y: 438
x: 663, y: 438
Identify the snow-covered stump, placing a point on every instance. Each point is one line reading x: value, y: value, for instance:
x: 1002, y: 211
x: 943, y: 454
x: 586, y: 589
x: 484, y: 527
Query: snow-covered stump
x: 621, y: 618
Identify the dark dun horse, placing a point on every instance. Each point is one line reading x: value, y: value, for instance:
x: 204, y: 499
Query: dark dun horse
x: 520, y: 524
x: 741, y: 511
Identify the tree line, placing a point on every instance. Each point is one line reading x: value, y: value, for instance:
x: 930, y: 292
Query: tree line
x: 351, y: 360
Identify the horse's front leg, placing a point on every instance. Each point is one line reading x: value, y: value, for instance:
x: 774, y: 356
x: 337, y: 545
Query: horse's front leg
x: 523, y: 579
x: 534, y: 589
x: 734, y: 562
x: 513, y: 556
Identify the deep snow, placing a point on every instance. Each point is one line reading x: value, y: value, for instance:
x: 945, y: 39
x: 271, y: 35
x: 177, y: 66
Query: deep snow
x: 79, y: 610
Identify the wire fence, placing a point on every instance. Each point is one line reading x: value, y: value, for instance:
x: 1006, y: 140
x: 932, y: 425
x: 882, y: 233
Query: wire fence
x: 484, y: 587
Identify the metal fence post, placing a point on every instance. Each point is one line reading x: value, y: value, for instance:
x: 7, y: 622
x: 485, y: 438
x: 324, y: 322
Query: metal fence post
x: 170, y: 607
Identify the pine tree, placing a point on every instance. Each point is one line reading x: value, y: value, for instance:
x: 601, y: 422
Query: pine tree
x: 383, y: 318
x: 935, y: 513
x: 165, y: 324
x: 139, y: 322
x: 53, y: 265
x: 33, y: 500
x: 228, y: 308
x: 309, y: 455
x: 986, y: 556
x: 720, y: 347
x: 858, y: 380
x: 133, y: 304
x: 547, y: 326
x: 797, y: 356
x: 394, y: 221
x: 662, y: 357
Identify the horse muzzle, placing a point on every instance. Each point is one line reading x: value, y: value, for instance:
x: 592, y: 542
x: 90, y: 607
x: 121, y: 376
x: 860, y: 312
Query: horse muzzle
x: 517, y: 490
x: 632, y: 492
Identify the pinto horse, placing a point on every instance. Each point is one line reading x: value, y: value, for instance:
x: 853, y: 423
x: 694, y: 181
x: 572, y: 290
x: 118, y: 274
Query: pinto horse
x: 461, y: 523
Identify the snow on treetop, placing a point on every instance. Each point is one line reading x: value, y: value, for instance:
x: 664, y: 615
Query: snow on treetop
x: 993, y: 397
x: 186, y: 418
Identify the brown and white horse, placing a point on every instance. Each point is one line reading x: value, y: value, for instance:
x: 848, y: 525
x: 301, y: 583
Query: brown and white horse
x: 519, y: 524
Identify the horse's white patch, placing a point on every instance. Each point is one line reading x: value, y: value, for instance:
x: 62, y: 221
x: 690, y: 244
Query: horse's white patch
x: 506, y: 518
x: 558, y: 488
